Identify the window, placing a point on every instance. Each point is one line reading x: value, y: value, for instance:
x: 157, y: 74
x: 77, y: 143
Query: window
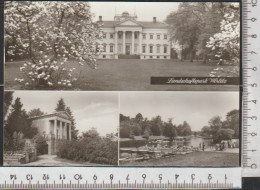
x: 151, y: 57
x: 165, y: 49
x: 104, y: 35
x: 135, y: 50
x: 104, y: 47
x: 151, y: 49
x: 135, y: 35
x: 158, y: 57
x: 120, y: 35
x: 143, y: 49
x: 144, y: 36
x: 158, y: 36
x: 165, y: 57
x: 111, y: 36
x: 111, y: 48
x: 151, y: 36
x: 158, y: 49
x: 104, y: 56
x: 165, y: 36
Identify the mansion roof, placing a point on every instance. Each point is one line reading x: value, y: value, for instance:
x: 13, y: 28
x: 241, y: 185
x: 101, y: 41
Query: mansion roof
x: 61, y: 114
x: 144, y: 24
x: 126, y: 19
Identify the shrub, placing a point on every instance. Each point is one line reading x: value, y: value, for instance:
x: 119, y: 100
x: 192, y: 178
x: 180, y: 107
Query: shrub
x: 41, y: 144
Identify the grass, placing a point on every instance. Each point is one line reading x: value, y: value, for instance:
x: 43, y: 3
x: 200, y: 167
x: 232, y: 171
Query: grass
x: 130, y: 74
x: 210, y: 159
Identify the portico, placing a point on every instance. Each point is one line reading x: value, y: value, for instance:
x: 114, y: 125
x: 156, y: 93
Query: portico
x: 53, y: 127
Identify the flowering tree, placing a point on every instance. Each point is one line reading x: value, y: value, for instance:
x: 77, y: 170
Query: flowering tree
x: 226, y: 44
x: 49, y: 34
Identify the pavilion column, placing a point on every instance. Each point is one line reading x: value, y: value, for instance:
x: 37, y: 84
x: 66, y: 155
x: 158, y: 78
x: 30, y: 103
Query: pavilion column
x: 116, y: 36
x: 123, y: 42
x: 60, y: 130
x: 69, y: 131
x: 133, y: 42
x: 55, y: 128
x: 140, y: 42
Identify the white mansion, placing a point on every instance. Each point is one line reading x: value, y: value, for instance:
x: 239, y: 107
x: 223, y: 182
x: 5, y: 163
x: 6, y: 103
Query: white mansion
x: 127, y: 37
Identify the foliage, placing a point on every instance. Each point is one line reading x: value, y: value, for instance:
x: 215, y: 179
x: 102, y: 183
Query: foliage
x: 35, y: 112
x: 60, y: 105
x: 184, y: 129
x: 217, y: 37
x: 90, y: 147
x: 223, y: 130
x: 170, y: 130
x: 223, y: 134
x: 17, y: 121
x: 41, y: 144
x: 8, y: 98
x: 226, y: 43
x: 48, y: 34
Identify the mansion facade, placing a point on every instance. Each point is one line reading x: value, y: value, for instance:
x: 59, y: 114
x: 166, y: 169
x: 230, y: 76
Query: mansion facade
x: 125, y: 37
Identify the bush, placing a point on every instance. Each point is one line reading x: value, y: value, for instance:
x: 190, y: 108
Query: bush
x: 41, y: 144
x: 133, y: 143
x: 91, y: 149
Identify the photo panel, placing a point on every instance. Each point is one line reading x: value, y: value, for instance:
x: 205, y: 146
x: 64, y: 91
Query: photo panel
x: 122, y: 46
x: 179, y: 129
x: 53, y: 128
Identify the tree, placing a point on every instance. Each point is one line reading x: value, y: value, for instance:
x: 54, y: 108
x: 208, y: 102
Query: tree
x: 139, y: 118
x: 41, y: 144
x: 206, y: 131
x: 184, y: 28
x: 170, y: 130
x: 91, y: 133
x: 8, y: 98
x: 226, y: 44
x: 232, y: 122
x: 17, y: 123
x: 61, y: 106
x: 35, y: 112
x: 215, y: 124
x: 157, y: 126
x: 49, y: 34
x: 223, y: 134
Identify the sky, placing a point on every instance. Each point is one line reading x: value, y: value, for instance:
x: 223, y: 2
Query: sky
x: 197, y: 108
x: 90, y: 109
x: 145, y: 11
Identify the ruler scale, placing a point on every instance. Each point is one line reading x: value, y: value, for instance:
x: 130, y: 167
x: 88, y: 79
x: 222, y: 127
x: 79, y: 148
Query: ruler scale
x: 250, y: 105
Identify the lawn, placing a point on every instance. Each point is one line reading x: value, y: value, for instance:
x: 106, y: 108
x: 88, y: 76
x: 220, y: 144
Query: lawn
x: 130, y: 74
x: 192, y: 159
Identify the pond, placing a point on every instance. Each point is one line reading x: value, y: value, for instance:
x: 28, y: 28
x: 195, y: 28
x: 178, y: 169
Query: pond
x: 194, y: 141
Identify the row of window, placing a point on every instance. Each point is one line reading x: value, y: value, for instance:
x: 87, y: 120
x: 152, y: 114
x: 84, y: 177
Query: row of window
x: 150, y: 57
x: 158, y: 49
x: 151, y: 36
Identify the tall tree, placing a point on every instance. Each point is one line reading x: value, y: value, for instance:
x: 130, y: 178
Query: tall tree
x: 48, y: 34
x: 215, y: 124
x: 232, y: 122
x: 17, y: 121
x: 170, y: 130
x: 61, y: 106
x: 8, y: 98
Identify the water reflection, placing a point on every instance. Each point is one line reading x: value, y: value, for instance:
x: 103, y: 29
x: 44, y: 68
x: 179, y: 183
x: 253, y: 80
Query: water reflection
x: 193, y: 141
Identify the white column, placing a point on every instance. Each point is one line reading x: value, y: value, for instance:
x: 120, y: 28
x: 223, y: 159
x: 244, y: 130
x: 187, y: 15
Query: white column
x: 140, y: 42
x: 69, y: 131
x: 116, y: 36
x: 123, y: 42
x: 133, y: 42
x: 55, y: 128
